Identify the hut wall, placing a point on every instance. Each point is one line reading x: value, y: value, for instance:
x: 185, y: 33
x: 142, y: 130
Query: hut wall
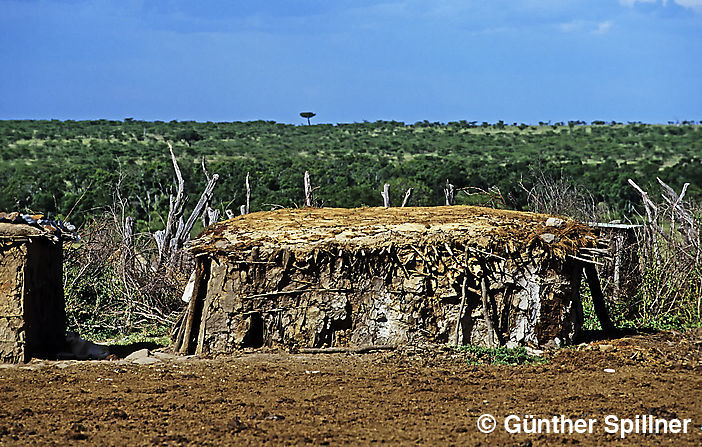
x: 385, y: 297
x: 32, y: 312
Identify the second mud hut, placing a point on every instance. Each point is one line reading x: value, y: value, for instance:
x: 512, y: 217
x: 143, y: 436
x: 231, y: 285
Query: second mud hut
x: 32, y: 314
x: 325, y: 277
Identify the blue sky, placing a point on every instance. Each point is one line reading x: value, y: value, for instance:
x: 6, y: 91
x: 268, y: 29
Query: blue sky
x: 350, y: 61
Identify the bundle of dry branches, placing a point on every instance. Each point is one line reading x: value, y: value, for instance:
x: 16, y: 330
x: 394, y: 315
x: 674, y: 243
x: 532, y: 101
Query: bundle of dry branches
x: 111, y: 286
x: 671, y: 255
x: 118, y: 281
x: 561, y: 197
x: 171, y: 240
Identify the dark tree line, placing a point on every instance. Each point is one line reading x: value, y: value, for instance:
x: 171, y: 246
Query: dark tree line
x: 57, y: 167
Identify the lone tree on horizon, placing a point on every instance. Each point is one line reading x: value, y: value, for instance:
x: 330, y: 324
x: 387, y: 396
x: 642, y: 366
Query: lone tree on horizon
x: 307, y: 115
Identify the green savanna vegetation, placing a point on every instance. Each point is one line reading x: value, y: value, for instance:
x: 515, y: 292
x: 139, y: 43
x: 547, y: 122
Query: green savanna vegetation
x: 57, y: 167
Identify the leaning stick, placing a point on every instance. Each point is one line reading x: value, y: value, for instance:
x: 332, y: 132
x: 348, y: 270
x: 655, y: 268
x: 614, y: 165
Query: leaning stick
x: 598, y: 301
x: 461, y: 308
x: 183, y: 343
x: 486, y: 314
x: 407, y: 196
x: 485, y: 253
x: 419, y: 253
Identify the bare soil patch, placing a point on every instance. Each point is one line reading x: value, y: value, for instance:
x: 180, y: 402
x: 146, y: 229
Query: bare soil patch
x: 430, y: 397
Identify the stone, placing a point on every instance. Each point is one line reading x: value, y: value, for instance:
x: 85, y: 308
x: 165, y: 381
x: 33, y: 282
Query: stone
x: 534, y: 352
x: 163, y: 356
x: 140, y: 354
x: 555, y: 222
x: 146, y: 361
x: 549, y: 238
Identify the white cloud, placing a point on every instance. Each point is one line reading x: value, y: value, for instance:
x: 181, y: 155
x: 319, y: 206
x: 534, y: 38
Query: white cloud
x: 690, y: 4
x: 632, y: 2
x: 603, y: 27
x: 585, y: 26
x: 571, y: 27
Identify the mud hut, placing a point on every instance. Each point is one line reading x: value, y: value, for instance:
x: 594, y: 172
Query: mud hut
x: 32, y: 311
x: 324, y: 277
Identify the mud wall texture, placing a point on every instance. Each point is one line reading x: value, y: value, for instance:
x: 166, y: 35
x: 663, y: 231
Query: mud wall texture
x: 395, y: 295
x: 32, y: 312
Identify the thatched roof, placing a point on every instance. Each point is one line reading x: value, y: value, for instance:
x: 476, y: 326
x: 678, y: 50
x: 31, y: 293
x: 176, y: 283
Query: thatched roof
x: 309, y: 229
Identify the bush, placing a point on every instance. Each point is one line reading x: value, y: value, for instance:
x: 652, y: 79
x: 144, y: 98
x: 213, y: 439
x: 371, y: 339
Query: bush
x: 670, y: 261
x: 110, y: 293
x: 670, y: 267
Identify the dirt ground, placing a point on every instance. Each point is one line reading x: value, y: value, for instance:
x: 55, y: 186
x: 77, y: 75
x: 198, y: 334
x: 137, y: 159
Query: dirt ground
x: 397, y: 398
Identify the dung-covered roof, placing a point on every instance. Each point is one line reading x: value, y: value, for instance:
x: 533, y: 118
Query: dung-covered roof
x: 309, y: 229
x: 16, y: 225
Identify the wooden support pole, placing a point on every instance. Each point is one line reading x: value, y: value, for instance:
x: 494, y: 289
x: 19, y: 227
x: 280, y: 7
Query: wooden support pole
x: 407, y: 196
x: 175, y: 213
x: 204, y: 168
x: 212, y: 216
x: 183, y: 232
x: 461, y: 309
x: 598, y: 301
x: 386, y: 195
x: 248, y: 194
x: 486, y: 313
x: 184, y: 342
x: 308, y: 189
x: 449, y: 192
x: 128, y: 242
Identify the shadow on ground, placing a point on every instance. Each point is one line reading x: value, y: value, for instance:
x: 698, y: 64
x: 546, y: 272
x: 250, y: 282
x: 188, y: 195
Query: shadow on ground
x: 121, y: 351
x: 589, y: 335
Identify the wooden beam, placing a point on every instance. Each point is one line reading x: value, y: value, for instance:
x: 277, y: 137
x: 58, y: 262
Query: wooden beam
x: 486, y: 313
x: 449, y: 192
x: 407, y: 196
x: 308, y: 189
x: 386, y: 195
x: 461, y: 308
x: 598, y: 300
x: 248, y: 194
